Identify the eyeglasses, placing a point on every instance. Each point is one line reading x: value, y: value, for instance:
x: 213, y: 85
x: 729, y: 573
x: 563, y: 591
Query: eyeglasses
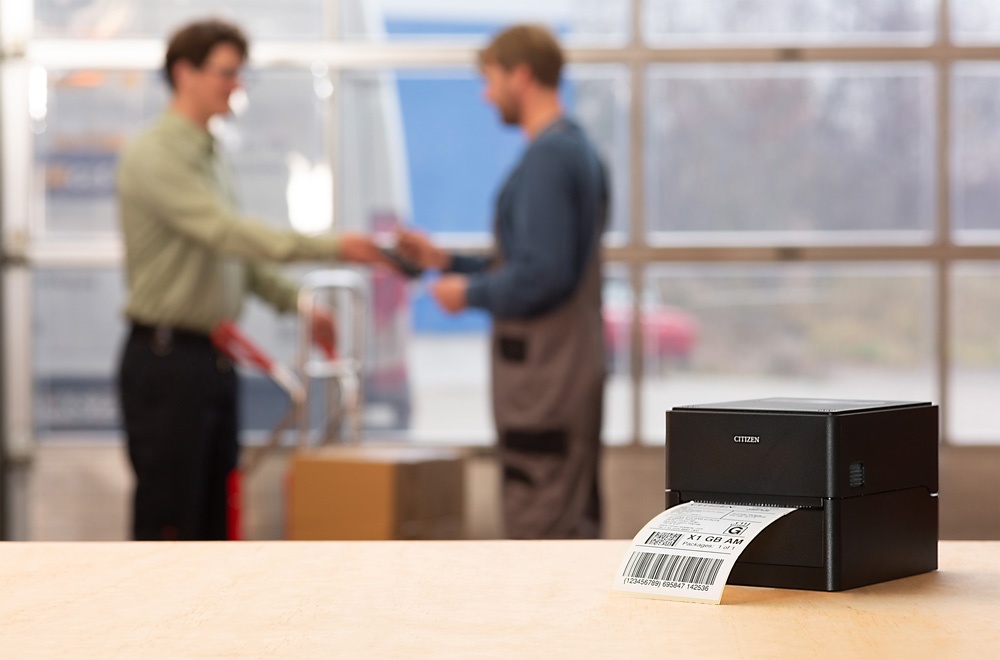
x: 228, y: 74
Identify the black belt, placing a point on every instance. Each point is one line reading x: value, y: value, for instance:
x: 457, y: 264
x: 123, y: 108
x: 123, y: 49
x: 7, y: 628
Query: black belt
x: 165, y: 335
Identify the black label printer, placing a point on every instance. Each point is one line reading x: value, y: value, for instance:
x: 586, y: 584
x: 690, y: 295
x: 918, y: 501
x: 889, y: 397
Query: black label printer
x: 863, y: 475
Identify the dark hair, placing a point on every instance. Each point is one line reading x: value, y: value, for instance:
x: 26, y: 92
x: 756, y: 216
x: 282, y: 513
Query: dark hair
x: 194, y: 41
x: 533, y: 45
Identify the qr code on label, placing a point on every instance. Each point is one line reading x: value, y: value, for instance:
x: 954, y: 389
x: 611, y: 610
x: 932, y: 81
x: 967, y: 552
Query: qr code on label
x: 663, y: 538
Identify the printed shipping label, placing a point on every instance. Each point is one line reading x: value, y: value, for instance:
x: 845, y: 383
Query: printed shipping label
x: 687, y: 552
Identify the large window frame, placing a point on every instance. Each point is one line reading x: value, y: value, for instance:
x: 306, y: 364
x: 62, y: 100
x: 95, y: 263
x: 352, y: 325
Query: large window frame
x: 25, y: 249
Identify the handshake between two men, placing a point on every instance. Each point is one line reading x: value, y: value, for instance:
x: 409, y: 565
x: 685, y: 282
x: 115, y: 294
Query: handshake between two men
x: 411, y: 254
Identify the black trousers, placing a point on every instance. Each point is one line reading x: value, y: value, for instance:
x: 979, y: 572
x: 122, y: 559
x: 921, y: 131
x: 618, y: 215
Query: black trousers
x: 178, y: 397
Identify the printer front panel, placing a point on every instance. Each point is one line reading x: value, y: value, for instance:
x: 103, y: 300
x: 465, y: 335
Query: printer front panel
x: 747, y: 453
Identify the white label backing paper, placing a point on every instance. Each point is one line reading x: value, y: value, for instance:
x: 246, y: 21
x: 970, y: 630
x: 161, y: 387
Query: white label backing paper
x: 687, y: 552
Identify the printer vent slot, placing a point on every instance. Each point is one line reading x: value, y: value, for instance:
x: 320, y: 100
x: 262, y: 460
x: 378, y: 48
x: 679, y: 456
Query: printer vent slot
x: 856, y: 474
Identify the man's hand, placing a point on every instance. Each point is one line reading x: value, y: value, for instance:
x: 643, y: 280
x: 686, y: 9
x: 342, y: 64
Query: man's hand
x: 359, y: 248
x: 418, y: 248
x: 324, y: 331
x: 449, y: 291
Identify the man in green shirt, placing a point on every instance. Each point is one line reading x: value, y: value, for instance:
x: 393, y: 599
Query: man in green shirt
x: 190, y: 259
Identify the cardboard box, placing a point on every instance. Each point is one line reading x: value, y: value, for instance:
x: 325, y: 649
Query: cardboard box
x: 375, y: 493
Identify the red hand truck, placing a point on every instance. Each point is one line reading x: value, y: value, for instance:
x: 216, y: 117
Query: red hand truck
x: 340, y: 372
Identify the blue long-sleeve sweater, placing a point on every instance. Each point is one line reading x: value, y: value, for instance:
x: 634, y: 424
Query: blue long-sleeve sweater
x: 549, y: 212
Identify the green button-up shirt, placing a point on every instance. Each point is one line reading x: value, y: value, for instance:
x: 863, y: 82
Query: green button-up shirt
x: 189, y: 255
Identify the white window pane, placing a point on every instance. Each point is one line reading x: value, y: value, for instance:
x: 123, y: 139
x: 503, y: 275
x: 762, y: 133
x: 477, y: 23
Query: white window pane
x: 617, y: 297
x: 975, y: 21
x: 599, y: 98
x: 89, y: 116
x: 975, y: 157
x: 425, y: 147
x: 594, y: 22
x: 449, y: 369
x: 276, y: 146
x: 422, y: 146
x: 843, y: 331
x: 974, y: 417
x: 387, y: 378
x: 809, y: 153
x: 452, y: 404
x: 79, y: 328
x: 450, y: 373
x: 703, y: 22
x: 113, y: 19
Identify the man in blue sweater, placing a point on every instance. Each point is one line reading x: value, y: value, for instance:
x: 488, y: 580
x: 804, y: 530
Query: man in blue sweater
x: 542, y: 286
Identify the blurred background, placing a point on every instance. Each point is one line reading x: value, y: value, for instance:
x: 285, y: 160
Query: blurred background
x: 806, y: 203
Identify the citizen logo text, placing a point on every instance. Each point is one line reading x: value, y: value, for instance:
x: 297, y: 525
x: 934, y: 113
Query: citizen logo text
x: 749, y: 439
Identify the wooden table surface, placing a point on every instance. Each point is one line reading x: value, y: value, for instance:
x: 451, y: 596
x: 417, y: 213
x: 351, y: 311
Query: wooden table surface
x: 411, y: 599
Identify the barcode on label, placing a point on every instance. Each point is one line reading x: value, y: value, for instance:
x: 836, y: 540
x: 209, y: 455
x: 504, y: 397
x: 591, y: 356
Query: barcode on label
x: 663, y: 538
x: 673, y: 568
